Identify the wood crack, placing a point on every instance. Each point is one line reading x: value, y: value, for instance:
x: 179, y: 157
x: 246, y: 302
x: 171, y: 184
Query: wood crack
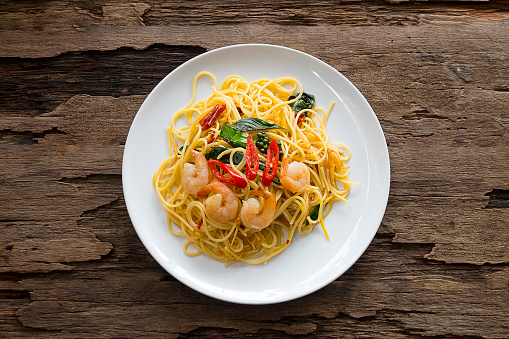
x: 500, y: 88
x: 14, y: 294
x: 16, y: 220
x: 49, y: 81
x: 90, y: 179
x: 27, y: 137
x: 423, y: 113
x: 486, y: 263
x: 498, y: 198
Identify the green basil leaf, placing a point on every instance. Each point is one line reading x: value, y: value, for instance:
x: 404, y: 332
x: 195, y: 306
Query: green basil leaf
x: 216, y: 150
x: 253, y: 124
x: 181, y: 149
x: 233, y: 136
x: 306, y: 101
x: 313, y: 214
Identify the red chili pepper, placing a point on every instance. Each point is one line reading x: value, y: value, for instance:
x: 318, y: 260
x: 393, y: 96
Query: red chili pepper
x: 252, y: 159
x: 271, y: 165
x: 212, y: 137
x: 200, y: 222
x: 301, y: 119
x: 207, y: 121
x: 235, y: 180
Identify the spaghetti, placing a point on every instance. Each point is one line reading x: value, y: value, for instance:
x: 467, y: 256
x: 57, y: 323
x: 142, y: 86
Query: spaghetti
x: 252, y: 223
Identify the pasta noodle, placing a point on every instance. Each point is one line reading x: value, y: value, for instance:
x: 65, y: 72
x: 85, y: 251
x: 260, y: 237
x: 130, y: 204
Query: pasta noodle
x: 302, y: 139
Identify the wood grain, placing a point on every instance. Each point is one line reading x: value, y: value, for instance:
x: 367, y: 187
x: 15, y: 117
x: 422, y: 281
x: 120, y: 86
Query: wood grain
x: 73, y: 75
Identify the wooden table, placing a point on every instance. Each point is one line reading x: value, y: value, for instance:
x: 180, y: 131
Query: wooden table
x: 73, y: 75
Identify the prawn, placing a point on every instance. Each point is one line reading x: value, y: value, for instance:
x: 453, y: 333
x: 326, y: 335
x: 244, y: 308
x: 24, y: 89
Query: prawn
x: 295, y: 176
x: 253, y: 215
x: 194, y: 177
x: 223, y: 205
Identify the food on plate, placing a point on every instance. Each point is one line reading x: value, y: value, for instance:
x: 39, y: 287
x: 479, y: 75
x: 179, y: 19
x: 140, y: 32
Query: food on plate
x: 250, y: 166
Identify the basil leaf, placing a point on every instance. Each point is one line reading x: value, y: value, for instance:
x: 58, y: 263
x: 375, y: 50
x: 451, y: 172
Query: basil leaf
x: 181, y: 149
x: 306, y: 101
x: 233, y: 136
x: 313, y: 214
x: 216, y: 150
x: 253, y: 124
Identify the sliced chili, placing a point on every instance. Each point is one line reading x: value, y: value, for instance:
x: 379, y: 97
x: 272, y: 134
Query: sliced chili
x: 235, y: 179
x: 252, y: 159
x: 207, y: 121
x: 200, y: 222
x: 211, y: 138
x: 271, y: 165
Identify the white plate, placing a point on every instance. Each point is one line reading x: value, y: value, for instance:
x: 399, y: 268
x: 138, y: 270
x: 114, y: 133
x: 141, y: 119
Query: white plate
x: 311, y: 261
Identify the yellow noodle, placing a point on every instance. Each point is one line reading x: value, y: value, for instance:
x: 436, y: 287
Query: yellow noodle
x: 305, y: 142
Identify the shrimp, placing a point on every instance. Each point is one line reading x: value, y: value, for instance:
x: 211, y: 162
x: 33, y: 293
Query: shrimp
x: 253, y: 215
x: 295, y: 176
x: 223, y: 205
x: 194, y: 177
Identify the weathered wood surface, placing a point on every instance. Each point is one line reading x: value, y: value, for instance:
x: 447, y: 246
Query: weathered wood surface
x: 74, y: 73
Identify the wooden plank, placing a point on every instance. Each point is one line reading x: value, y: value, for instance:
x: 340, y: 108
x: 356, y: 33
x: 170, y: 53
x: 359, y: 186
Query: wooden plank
x: 77, y: 15
x: 321, y: 41
x: 391, y: 290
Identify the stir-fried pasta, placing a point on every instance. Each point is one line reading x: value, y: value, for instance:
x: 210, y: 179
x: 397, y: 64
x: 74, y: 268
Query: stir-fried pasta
x: 224, y: 209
